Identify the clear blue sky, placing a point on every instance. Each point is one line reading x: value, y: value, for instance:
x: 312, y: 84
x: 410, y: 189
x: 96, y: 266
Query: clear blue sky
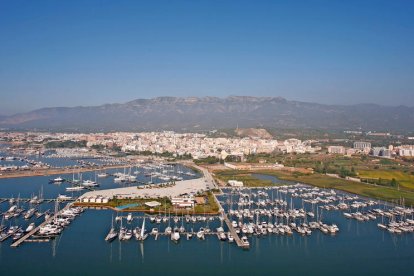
x: 68, y: 53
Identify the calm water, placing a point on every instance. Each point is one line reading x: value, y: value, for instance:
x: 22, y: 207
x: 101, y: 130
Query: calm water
x: 359, y: 248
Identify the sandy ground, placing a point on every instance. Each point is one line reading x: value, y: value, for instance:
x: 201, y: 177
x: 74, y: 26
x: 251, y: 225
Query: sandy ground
x: 180, y: 187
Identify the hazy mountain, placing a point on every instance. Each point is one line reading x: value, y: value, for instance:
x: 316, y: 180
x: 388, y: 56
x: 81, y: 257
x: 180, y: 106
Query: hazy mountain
x: 211, y: 112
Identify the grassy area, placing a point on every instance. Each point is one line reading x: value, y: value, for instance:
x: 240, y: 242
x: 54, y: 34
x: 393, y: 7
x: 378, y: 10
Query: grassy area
x: 210, y: 205
x: 405, y: 180
x: 165, y: 203
x: 246, y: 177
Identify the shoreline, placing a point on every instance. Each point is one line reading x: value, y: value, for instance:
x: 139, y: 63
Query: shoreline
x: 103, y: 206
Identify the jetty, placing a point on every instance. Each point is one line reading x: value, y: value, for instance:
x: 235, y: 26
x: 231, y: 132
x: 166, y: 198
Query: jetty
x: 45, y: 200
x: 230, y: 227
x: 36, y: 229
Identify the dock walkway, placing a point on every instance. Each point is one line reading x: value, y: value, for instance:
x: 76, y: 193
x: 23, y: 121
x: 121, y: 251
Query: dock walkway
x: 36, y: 229
x: 230, y: 226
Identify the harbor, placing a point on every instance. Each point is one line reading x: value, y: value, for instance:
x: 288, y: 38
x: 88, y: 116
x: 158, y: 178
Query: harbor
x: 282, y: 221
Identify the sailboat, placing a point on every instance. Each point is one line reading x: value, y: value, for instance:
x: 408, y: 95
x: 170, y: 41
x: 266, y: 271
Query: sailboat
x: 142, y: 236
x: 112, y: 233
x: 74, y: 188
x: 175, y: 235
x: 103, y: 175
x: 129, y: 217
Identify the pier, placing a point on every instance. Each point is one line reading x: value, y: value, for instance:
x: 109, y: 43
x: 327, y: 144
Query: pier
x: 36, y: 229
x: 45, y: 200
x: 230, y: 226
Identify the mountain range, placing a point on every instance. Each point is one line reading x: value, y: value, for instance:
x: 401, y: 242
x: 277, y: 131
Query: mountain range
x: 202, y: 113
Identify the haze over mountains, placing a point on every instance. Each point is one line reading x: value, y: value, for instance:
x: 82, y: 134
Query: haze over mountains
x: 193, y: 113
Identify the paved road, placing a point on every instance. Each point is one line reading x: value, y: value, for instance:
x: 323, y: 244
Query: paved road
x: 211, y: 184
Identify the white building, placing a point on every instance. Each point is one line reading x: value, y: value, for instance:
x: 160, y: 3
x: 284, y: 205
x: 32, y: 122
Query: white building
x: 183, y: 202
x: 362, y: 145
x: 336, y: 150
x: 235, y: 183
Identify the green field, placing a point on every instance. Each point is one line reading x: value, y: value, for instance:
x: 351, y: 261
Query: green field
x: 247, y: 179
x: 405, y: 180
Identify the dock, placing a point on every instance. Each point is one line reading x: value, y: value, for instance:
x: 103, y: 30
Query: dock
x: 48, y: 200
x: 36, y: 229
x: 230, y: 227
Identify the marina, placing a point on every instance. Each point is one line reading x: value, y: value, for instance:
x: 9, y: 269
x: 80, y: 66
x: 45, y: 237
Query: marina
x: 284, y: 221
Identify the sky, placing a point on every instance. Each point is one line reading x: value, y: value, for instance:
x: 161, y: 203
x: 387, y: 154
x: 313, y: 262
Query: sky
x: 70, y: 53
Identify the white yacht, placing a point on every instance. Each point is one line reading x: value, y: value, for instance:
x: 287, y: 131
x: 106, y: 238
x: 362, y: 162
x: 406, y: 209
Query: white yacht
x: 30, y: 227
x: 129, y: 217
x: 58, y: 180
x: 29, y: 213
x: 64, y: 197
x: 175, y: 235
x: 89, y: 183
x: 245, y: 241
x: 102, y: 175
x: 74, y: 188
x: 200, y: 234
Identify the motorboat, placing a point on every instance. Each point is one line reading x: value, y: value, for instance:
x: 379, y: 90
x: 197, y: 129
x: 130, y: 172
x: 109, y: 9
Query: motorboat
x: 57, y: 180
x: 30, y: 227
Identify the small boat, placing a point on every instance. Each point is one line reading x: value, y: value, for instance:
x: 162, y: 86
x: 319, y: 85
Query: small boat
x: 13, y: 229
x: 142, y: 235
x: 112, y: 233
x: 74, y: 188
x: 382, y: 226
x: 17, y: 235
x: 200, y: 234
x: 102, y: 175
x: 230, y: 237
x: 245, y: 241
x: 347, y: 215
x: 57, y: 180
x: 175, y: 235
x: 30, y: 227
x: 129, y: 217
x: 168, y: 230
x: 30, y: 213
x: 89, y: 183
x: 154, y: 231
x: 128, y: 235
x: 64, y: 197
x: 122, y: 232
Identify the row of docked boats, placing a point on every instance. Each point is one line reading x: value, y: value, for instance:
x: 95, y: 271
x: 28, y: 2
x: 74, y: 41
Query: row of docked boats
x: 60, y: 220
x: 398, y: 227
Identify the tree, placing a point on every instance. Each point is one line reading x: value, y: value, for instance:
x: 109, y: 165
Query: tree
x: 393, y: 183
